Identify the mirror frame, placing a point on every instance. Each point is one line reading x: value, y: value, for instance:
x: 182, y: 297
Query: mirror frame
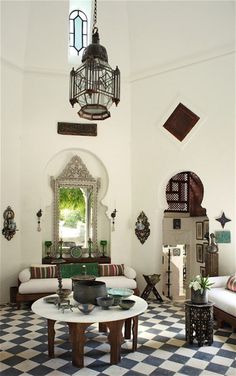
x: 74, y: 175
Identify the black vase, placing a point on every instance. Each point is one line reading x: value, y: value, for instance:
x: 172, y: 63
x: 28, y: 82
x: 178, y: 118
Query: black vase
x: 199, y: 298
x: 88, y: 291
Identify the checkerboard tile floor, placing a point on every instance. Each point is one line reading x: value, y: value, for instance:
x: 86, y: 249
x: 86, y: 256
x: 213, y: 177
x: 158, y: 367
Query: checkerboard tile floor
x: 162, y: 349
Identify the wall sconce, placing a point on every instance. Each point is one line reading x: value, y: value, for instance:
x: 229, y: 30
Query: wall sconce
x: 9, y: 225
x: 113, y: 216
x: 142, y: 230
x: 39, y: 215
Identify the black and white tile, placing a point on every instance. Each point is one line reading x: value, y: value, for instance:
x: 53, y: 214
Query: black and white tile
x: 162, y: 349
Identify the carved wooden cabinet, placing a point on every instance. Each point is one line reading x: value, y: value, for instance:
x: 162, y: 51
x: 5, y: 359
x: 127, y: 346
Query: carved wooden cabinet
x: 212, y: 264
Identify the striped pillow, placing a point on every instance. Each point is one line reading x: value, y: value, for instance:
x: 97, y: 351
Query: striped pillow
x: 43, y: 271
x: 109, y: 270
x: 231, y: 283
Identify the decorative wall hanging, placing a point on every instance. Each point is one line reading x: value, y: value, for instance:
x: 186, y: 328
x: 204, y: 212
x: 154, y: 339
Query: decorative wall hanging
x: 142, y: 230
x: 9, y: 225
x: 94, y: 85
x: 223, y: 220
x: 206, y: 229
x: 39, y: 215
x: 199, y: 253
x: 223, y: 236
x: 176, y: 224
x: 181, y: 121
x: 184, y: 193
x: 176, y: 251
x: 77, y: 129
x: 199, y: 230
x: 113, y: 216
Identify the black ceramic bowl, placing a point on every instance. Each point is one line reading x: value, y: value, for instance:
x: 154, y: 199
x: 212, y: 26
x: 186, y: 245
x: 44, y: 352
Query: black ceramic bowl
x: 105, y: 301
x: 117, y: 299
x: 86, y: 308
x: 88, y: 291
x: 126, y: 303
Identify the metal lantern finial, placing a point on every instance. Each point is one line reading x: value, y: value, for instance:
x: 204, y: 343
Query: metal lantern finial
x: 95, y: 86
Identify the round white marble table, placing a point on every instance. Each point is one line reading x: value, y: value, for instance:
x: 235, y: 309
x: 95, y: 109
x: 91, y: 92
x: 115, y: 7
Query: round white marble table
x: 113, y: 318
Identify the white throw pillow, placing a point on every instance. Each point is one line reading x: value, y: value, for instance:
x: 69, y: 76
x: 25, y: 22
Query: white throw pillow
x: 129, y: 272
x: 24, y: 275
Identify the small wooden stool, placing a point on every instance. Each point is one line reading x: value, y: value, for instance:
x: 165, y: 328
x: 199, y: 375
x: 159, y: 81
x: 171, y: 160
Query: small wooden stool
x: 151, y: 282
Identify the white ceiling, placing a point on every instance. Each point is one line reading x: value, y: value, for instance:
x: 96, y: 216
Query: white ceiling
x: 170, y: 32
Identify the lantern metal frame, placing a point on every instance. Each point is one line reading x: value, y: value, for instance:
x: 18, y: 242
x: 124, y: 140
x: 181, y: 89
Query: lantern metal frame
x: 94, y: 85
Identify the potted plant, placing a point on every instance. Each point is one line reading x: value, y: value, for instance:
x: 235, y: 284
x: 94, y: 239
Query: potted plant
x: 199, y: 286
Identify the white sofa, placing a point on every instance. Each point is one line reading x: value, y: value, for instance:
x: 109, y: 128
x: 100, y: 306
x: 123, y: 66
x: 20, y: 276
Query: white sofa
x: 31, y: 289
x: 224, y: 301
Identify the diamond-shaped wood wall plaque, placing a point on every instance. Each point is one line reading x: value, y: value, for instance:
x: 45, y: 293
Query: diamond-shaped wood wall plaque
x: 180, y: 122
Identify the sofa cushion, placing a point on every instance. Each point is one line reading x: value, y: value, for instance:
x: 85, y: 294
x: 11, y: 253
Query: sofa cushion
x: 129, y: 272
x: 43, y: 271
x: 223, y: 299
x: 118, y: 282
x: 44, y: 285
x: 231, y: 283
x: 70, y: 270
x: 109, y: 270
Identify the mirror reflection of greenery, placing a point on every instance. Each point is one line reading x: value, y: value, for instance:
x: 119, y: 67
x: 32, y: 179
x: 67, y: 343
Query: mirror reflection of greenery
x: 72, y: 206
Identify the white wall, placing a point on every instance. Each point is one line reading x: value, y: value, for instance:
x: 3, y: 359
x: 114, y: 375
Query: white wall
x: 207, y: 89
x: 44, y: 101
x: 11, y: 123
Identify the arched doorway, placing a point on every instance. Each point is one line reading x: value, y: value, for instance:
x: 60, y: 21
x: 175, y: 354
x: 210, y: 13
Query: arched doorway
x: 185, y: 234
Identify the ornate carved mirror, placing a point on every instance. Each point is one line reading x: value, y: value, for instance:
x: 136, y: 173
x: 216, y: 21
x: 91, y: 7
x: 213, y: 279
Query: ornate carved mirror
x: 75, y: 205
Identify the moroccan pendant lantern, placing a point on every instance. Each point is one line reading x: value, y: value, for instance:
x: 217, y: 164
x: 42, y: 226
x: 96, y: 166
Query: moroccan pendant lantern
x: 94, y: 85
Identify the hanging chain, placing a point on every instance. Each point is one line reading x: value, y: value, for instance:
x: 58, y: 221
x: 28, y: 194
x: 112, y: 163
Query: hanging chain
x: 95, y: 14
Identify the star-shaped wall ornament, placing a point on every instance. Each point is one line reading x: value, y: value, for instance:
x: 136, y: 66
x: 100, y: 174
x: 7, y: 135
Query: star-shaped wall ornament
x: 223, y: 220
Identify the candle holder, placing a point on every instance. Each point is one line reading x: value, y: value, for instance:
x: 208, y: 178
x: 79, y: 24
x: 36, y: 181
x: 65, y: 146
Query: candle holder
x: 48, y: 245
x: 103, y: 243
x: 60, y: 249
x: 90, y: 247
x: 60, y: 292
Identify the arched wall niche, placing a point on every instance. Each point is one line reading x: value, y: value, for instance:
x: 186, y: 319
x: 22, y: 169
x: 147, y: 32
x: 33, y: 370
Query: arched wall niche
x: 183, y: 215
x: 53, y: 169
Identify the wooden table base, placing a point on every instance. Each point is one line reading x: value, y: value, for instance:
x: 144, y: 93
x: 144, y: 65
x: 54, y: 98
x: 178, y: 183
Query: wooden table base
x: 78, y: 338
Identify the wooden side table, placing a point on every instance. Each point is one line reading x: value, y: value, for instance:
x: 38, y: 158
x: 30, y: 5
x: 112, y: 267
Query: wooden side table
x: 199, y: 323
x: 151, y: 282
